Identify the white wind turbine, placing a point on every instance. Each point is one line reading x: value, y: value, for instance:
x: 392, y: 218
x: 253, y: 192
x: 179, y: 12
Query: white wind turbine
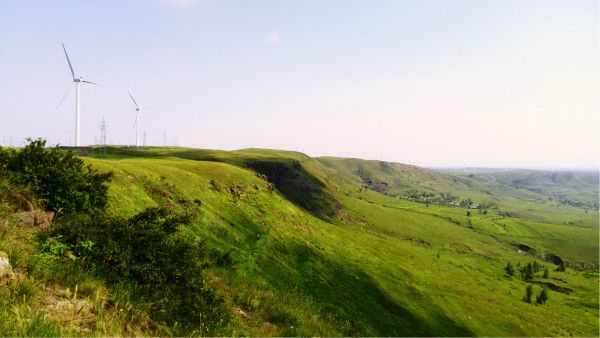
x: 138, y: 119
x: 77, y: 81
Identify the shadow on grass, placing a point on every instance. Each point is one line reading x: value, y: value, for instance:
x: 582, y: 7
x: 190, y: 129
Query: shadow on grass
x: 347, y: 293
x: 297, y: 185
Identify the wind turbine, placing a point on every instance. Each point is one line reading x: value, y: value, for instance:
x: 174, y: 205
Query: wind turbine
x: 77, y: 80
x: 138, y: 118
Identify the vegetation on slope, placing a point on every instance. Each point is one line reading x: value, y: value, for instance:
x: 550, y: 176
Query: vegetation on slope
x: 373, y: 262
x: 145, y: 258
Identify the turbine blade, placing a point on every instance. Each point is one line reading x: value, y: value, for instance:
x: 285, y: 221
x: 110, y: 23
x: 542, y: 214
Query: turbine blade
x: 131, y: 96
x: 63, y: 98
x: 69, y: 61
x: 90, y: 82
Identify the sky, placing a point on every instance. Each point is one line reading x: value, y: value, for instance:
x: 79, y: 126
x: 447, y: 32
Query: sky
x: 495, y: 83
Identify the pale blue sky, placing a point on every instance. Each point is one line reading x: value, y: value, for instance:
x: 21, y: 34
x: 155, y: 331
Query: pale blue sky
x: 435, y: 83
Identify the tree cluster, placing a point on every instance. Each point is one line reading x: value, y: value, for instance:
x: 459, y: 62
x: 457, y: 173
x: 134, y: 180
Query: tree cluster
x: 541, y: 298
x: 527, y: 274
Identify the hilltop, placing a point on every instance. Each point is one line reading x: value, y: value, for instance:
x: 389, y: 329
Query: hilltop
x: 338, y: 246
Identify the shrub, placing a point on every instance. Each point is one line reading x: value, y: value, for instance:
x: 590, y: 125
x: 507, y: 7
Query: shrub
x: 527, y: 272
x: 536, y: 266
x: 55, y: 246
x: 509, y: 269
x: 61, y: 181
x: 528, y: 294
x: 546, y: 273
x: 542, y: 297
x: 466, y: 203
x: 150, y: 254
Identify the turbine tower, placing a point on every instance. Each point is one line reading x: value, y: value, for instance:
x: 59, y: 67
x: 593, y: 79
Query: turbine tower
x: 138, y: 118
x: 77, y: 80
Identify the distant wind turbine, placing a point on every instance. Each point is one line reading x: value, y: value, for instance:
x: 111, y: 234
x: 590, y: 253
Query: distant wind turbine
x: 77, y: 81
x: 138, y: 119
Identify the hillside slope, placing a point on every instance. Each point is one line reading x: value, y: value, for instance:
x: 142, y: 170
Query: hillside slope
x: 320, y: 248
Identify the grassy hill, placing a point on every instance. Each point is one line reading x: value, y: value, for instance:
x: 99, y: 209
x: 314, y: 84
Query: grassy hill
x: 335, y: 246
x: 578, y: 188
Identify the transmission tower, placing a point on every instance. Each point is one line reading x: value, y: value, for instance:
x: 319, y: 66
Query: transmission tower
x: 103, y: 130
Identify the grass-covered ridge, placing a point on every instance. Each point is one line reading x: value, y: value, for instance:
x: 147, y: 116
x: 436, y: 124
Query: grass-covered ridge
x: 379, y: 248
x: 331, y: 246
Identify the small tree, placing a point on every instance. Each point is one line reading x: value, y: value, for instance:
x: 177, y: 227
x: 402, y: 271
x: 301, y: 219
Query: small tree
x: 466, y: 203
x: 527, y: 272
x: 536, y: 266
x: 546, y: 273
x: 509, y: 269
x: 528, y: 294
x: 542, y: 297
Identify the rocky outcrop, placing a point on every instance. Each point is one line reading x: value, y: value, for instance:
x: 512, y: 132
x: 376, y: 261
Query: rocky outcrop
x: 6, y: 270
x: 35, y: 218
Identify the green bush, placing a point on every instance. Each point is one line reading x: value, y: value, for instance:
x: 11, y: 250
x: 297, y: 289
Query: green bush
x: 536, y: 267
x: 509, y: 269
x: 528, y: 294
x: 60, y: 181
x: 54, y: 246
x: 158, y: 263
x: 542, y: 297
x: 527, y: 272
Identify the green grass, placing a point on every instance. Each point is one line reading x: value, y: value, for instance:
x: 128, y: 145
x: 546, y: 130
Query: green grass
x: 330, y: 247
x: 322, y: 255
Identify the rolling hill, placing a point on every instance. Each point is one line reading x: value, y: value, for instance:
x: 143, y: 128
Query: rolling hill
x: 349, y: 247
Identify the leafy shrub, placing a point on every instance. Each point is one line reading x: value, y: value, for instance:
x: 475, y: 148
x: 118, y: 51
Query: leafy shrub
x: 55, y: 246
x: 61, y: 181
x: 528, y: 294
x: 466, y: 203
x: 509, y: 269
x: 151, y: 255
x: 542, y: 297
x: 536, y: 266
x: 527, y: 272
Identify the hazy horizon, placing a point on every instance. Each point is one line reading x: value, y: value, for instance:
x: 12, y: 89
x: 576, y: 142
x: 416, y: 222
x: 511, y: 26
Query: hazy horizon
x: 442, y: 84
